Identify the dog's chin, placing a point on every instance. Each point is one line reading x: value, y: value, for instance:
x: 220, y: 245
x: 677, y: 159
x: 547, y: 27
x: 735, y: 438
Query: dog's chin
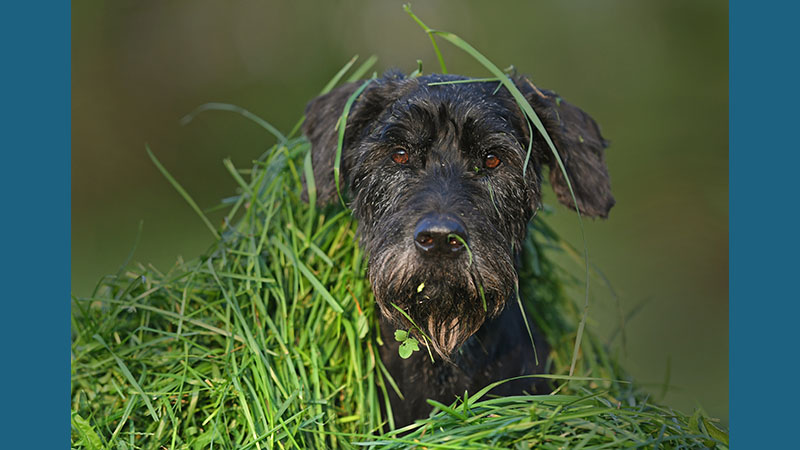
x: 445, y: 311
x: 446, y: 299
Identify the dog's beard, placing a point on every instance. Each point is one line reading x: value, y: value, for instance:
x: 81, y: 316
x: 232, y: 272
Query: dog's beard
x: 447, y: 300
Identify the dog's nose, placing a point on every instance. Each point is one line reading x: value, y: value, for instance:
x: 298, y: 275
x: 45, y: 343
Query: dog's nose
x: 440, y: 234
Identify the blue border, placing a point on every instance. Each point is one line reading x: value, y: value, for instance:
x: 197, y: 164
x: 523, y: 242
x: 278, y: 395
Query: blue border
x: 35, y: 143
x: 764, y: 164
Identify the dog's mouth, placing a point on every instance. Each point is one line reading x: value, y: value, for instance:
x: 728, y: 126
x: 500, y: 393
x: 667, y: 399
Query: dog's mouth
x: 438, y: 315
x: 441, y: 304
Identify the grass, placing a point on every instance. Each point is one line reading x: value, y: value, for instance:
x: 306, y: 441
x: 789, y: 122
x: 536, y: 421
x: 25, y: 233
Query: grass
x: 270, y: 340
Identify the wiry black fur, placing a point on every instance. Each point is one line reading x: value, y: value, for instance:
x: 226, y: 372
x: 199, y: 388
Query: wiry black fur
x: 447, y: 130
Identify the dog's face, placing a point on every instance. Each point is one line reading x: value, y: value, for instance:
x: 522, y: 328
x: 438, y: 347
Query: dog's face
x: 435, y: 175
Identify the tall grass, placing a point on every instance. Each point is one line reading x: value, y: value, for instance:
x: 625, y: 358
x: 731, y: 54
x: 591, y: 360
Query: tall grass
x: 270, y: 340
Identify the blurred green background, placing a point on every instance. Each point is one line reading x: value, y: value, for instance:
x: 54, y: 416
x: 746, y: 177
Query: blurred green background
x: 653, y: 74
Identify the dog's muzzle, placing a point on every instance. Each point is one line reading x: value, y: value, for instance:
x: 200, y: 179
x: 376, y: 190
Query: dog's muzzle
x: 440, y: 235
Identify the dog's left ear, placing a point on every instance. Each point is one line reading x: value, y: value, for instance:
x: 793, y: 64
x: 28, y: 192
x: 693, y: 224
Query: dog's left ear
x: 319, y: 126
x: 580, y: 146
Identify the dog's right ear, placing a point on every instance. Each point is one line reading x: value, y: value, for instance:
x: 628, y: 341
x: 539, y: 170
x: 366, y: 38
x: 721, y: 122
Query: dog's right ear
x: 320, y: 127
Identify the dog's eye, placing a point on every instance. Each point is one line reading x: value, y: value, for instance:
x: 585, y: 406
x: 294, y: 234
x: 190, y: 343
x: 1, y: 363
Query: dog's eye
x: 400, y: 156
x: 491, y: 161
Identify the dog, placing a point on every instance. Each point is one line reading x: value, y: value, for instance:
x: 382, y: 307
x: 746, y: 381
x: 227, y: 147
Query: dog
x: 435, y: 171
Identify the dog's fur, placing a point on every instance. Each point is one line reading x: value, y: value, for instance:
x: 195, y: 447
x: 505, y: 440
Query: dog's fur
x: 456, y: 298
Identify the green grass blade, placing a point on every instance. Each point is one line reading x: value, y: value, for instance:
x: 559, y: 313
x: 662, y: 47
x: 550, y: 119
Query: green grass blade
x: 336, y: 78
x: 309, y: 276
x: 182, y: 192
x: 407, y: 8
x: 86, y: 432
x: 215, y: 106
x: 342, y: 125
x: 127, y: 373
x: 362, y: 69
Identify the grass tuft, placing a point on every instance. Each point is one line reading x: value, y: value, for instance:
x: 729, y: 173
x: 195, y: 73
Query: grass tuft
x: 270, y: 340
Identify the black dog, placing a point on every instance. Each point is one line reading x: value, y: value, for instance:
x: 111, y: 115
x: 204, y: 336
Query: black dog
x: 434, y: 173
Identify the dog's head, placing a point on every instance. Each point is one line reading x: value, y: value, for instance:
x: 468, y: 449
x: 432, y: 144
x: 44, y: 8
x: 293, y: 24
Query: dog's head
x: 433, y: 167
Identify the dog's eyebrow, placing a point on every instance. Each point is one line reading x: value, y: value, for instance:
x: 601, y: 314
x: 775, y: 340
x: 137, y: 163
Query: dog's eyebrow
x: 488, y: 132
x: 500, y: 138
x: 393, y: 131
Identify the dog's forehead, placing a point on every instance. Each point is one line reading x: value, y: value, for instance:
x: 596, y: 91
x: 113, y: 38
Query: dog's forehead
x: 460, y: 95
x: 434, y: 102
